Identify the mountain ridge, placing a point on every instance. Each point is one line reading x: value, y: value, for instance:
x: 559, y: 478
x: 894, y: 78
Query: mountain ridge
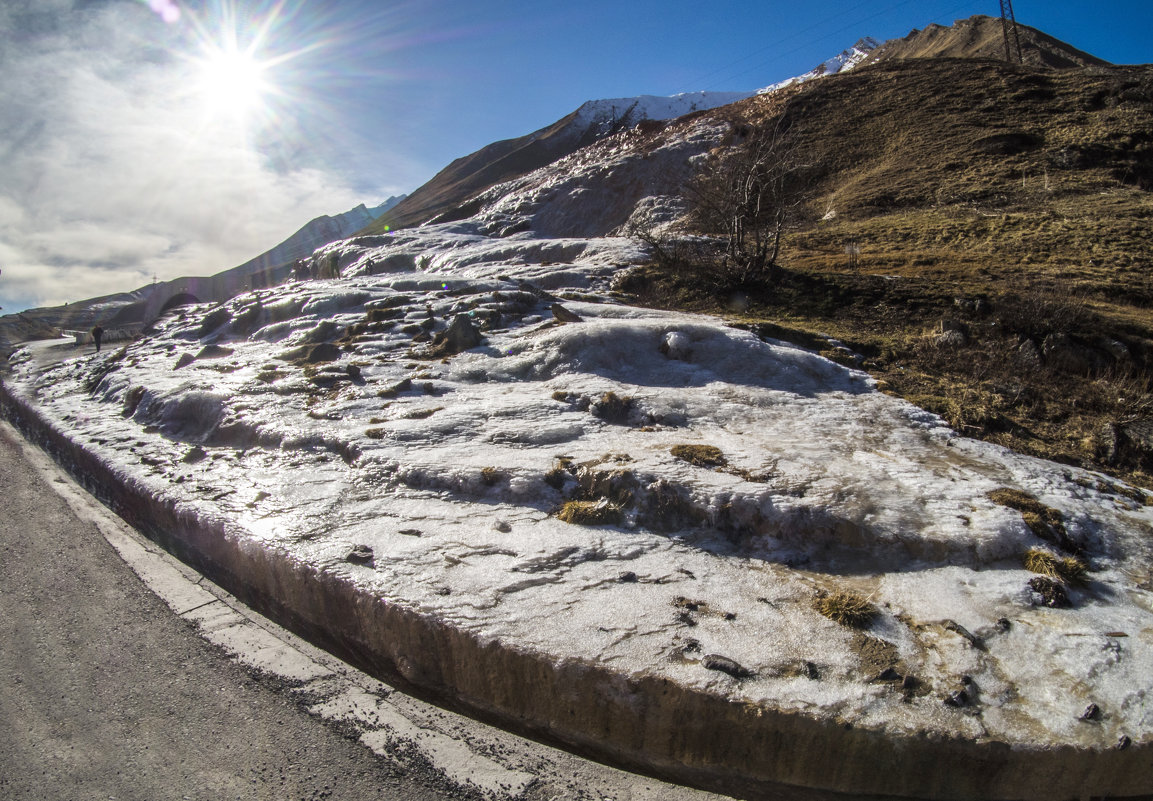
x: 132, y: 308
x: 981, y: 36
x: 451, y: 193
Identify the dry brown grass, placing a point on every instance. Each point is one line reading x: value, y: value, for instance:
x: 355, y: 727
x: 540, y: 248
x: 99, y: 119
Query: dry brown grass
x: 847, y: 608
x: 699, y: 455
x: 1065, y: 568
x: 1044, y: 521
x: 589, y: 513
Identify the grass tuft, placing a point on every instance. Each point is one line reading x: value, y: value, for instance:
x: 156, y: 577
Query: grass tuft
x: 612, y: 408
x: 847, y: 608
x: 1065, y: 568
x: 1044, y: 521
x: 699, y: 455
x: 589, y: 513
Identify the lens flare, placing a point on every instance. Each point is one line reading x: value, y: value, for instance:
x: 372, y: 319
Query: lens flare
x: 165, y: 9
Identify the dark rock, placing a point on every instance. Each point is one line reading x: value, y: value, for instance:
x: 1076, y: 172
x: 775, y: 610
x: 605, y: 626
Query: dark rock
x: 888, y: 674
x: 973, y: 639
x: 726, y: 665
x: 1062, y: 352
x: 360, y: 555
x: 1029, y: 355
x: 194, y: 455
x: 248, y: 320
x: 1124, y: 742
x: 951, y: 339
x: 184, y: 360
x: 396, y: 389
x: 957, y: 699
x: 212, y: 321
x: 1092, y: 712
x: 561, y: 314
x: 811, y: 671
x: 214, y: 352
x: 326, y: 331
x: 1117, y: 350
x: 1107, y: 444
x: 355, y: 374
x: 462, y: 335
x: 410, y: 532
x: 628, y: 578
x: 1052, y: 593
x: 951, y: 333
x: 1008, y: 144
x: 612, y: 408
x: 325, y: 352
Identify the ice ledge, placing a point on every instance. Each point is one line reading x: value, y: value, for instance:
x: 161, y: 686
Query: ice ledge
x: 694, y: 735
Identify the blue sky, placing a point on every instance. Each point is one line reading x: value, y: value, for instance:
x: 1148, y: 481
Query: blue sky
x: 127, y: 151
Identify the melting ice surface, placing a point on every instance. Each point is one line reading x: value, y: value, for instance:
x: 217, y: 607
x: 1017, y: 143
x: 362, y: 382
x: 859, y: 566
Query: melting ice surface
x: 324, y: 414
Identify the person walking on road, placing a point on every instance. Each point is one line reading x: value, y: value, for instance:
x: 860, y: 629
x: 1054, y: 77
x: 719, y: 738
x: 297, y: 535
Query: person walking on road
x: 97, y: 335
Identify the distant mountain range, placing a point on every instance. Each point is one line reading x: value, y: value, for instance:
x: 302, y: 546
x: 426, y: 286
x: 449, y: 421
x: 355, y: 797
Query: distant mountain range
x: 133, y: 308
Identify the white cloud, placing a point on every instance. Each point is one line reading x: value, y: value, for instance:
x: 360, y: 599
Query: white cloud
x: 112, y: 173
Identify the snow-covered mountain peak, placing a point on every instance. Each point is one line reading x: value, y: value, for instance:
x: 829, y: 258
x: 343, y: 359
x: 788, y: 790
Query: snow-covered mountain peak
x: 842, y: 62
x: 613, y: 114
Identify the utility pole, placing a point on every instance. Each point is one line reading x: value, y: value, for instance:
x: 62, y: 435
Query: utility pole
x: 1009, y: 28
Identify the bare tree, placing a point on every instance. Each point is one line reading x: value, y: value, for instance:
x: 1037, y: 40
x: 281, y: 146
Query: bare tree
x: 747, y: 196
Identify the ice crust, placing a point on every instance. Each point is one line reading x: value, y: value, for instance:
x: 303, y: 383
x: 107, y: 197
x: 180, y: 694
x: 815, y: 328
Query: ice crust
x: 446, y: 466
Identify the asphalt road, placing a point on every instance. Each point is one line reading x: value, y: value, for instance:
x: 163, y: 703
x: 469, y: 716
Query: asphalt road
x: 105, y: 694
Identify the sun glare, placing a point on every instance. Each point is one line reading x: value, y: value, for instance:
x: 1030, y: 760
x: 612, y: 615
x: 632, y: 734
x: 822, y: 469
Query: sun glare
x: 232, y: 81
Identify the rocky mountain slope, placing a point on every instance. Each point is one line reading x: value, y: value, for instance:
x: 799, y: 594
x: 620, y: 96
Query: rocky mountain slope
x: 442, y: 199
x: 982, y: 37
x: 314, y: 234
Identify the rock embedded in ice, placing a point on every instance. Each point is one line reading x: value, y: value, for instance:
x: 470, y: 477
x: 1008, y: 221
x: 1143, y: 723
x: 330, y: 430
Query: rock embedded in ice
x: 676, y: 345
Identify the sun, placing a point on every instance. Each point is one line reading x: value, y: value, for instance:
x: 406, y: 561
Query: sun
x: 232, y: 81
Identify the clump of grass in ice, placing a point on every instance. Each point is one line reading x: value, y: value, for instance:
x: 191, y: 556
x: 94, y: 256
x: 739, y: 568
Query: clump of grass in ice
x: 847, y: 608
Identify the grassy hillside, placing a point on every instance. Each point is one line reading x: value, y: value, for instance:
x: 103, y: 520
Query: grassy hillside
x: 983, y: 37
x: 1003, y: 219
